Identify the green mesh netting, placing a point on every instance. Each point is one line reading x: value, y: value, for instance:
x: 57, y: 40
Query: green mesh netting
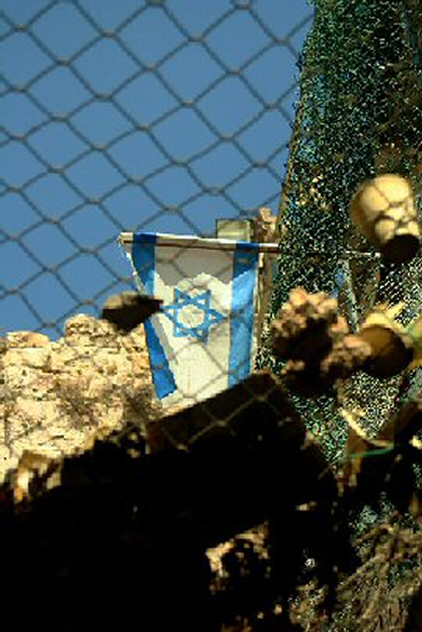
x: 359, y: 115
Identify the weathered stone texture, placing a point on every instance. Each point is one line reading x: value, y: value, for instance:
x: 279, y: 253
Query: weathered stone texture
x: 55, y: 394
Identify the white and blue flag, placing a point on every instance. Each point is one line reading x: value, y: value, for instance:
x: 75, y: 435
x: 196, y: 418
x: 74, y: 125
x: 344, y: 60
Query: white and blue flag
x: 203, y: 340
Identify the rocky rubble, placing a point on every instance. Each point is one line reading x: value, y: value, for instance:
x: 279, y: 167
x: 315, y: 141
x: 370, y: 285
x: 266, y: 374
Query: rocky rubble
x: 315, y: 340
x: 55, y: 394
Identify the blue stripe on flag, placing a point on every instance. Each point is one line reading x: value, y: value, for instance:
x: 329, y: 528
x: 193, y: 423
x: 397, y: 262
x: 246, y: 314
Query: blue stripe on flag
x: 144, y: 238
x: 245, y: 267
x: 143, y: 256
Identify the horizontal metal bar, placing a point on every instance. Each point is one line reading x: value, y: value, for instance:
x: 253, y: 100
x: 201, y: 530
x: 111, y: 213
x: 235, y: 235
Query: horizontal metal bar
x: 191, y: 241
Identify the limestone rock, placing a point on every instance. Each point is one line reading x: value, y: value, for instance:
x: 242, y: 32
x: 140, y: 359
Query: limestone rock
x: 55, y: 394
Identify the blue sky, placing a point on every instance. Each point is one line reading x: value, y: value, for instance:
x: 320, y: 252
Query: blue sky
x: 118, y: 116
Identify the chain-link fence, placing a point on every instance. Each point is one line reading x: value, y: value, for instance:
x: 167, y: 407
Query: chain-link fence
x: 157, y: 116
x: 138, y: 118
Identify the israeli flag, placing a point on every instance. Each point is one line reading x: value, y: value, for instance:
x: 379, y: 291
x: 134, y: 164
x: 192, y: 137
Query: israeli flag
x: 203, y: 340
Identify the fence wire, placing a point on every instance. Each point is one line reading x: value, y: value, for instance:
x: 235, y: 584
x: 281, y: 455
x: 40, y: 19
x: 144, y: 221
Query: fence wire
x: 163, y: 117
x: 124, y: 119
x: 153, y: 116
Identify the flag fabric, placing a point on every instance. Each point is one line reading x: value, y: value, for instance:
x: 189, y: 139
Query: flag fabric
x: 203, y: 340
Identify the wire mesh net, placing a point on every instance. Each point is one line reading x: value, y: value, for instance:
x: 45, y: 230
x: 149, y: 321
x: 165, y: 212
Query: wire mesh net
x: 359, y: 116
x: 105, y: 123
x: 122, y: 118
x: 151, y: 117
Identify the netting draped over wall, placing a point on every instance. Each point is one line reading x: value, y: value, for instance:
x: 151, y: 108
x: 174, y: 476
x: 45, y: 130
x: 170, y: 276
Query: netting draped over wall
x: 132, y: 115
x: 165, y: 115
x: 359, y: 115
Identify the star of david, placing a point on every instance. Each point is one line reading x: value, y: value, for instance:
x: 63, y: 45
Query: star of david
x: 192, y: 315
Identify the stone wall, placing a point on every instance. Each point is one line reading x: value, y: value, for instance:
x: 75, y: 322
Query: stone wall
x: 54, y: 395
